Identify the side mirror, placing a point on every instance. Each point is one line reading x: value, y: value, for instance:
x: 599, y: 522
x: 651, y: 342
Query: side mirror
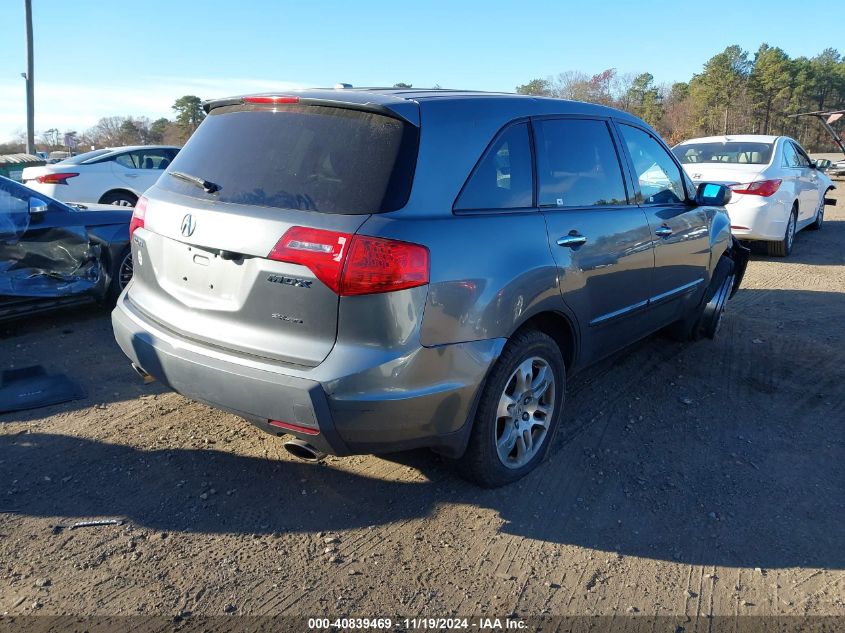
x: 821, y: 164
x: 712, y: 195
x: 37, y: 206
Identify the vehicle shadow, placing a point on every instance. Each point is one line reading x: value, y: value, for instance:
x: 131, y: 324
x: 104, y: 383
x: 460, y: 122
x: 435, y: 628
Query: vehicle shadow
x: 717, y: 453
x: 811, y: 247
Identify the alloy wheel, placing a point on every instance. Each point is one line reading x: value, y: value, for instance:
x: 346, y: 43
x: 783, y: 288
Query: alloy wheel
x: 525, y: 412
x: 124, y: 271
x: 790, y: 232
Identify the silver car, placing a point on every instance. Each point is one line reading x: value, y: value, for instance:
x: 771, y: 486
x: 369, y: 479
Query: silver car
x: 373, y: 270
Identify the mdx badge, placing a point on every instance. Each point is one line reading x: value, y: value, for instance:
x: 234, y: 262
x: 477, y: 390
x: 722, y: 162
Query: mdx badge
x: 290, y: 281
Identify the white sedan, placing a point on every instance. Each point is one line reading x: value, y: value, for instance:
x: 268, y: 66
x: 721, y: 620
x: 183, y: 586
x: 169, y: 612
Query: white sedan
x: 117, y: 175
x: 777, y: 189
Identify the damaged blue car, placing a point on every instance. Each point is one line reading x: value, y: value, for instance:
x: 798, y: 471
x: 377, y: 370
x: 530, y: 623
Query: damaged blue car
x: 54, y: 254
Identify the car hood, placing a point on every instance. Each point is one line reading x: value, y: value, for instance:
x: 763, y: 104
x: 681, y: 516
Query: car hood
x: 724, y: 174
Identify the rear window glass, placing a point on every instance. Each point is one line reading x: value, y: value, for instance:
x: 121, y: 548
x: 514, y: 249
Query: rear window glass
x: 748, y: 153
x: 332, y: 160
x: 81, y: 158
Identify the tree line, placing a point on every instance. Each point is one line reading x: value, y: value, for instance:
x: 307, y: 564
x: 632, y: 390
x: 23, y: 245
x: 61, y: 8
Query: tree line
x: 734, y: 93
x: 116, y: 131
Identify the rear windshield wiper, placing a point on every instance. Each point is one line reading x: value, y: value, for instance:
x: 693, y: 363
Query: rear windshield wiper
x: 205, y: 185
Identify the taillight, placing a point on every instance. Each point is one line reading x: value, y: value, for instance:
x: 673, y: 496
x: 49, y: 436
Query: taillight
x: 55, y: 179
x: 763, y: 188
x: 378, y: 265
x: 354, y: 264
x: 271, y: 99
x: 321, y: 251
x: 138, y: 214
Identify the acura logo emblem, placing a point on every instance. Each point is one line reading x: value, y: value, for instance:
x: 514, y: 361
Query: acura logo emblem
x: 188, y: 225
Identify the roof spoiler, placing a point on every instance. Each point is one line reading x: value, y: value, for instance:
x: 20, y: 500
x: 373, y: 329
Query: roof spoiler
x: 402, y: 109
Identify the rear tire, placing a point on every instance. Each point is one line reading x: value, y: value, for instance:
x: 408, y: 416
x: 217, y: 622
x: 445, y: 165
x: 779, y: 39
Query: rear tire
x: 783, y: 247
x: 519, y: 411
x: 120, y: 198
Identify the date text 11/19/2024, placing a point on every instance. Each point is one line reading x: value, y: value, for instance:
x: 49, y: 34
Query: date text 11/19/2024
x: 419, y: 623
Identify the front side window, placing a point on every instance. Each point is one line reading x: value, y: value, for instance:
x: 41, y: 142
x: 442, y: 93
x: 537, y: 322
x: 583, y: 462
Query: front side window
x: 577, y: 164
x: 659, y: 177
x: 801, y: 157
x: 502, y: 179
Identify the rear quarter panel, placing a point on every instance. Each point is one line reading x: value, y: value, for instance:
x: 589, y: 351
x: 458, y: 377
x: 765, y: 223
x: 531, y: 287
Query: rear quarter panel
x: 489, y: 273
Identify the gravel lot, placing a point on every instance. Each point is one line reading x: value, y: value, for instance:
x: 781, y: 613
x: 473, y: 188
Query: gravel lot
x: 689, y: 480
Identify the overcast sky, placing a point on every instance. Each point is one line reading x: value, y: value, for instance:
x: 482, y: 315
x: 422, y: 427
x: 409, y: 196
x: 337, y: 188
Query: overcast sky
x: 97, y: 58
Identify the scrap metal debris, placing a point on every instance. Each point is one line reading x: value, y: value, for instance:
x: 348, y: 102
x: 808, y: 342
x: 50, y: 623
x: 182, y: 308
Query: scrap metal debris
x: 31, y: 387
x: 96, y: 523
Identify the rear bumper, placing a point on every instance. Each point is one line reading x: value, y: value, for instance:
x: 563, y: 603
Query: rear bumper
x: 258, y: 396
x: 758, y: 218
x: 355, y: 403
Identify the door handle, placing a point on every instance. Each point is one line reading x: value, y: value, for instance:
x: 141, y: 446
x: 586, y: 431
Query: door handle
x: 572, y: 240
x: 663, y: 231
x: 131, y: 175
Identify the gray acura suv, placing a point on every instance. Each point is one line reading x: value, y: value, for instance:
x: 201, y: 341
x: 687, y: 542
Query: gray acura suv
x: 373, y: 270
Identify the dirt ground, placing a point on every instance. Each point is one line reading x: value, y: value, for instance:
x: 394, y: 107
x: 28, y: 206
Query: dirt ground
x: 689, y: 480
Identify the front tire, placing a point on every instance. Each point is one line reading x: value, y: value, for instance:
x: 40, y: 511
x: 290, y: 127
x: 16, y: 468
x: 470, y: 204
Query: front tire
x: 121, y: 276
x: 519, y: 411
x: 705, y: 319
x: 783, y: 248
x: 817, y: 223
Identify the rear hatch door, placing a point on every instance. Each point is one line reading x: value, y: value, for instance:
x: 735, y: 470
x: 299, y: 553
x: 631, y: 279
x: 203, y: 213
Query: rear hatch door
x: 202, y: 258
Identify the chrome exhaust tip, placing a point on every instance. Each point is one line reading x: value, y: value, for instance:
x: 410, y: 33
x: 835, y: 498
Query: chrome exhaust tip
x: 303, y: 450
x: 144, y: 375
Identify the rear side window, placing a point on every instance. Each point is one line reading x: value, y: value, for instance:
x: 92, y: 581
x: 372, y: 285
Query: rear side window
x: 502, y: 179
x: 331, y: 160
x: 577, y: 164
x: 128, y: 160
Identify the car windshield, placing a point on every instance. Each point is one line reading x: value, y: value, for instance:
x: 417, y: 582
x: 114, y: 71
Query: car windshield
x: 81, y: 158
x: 737, y: 152
x: 315, y: 158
